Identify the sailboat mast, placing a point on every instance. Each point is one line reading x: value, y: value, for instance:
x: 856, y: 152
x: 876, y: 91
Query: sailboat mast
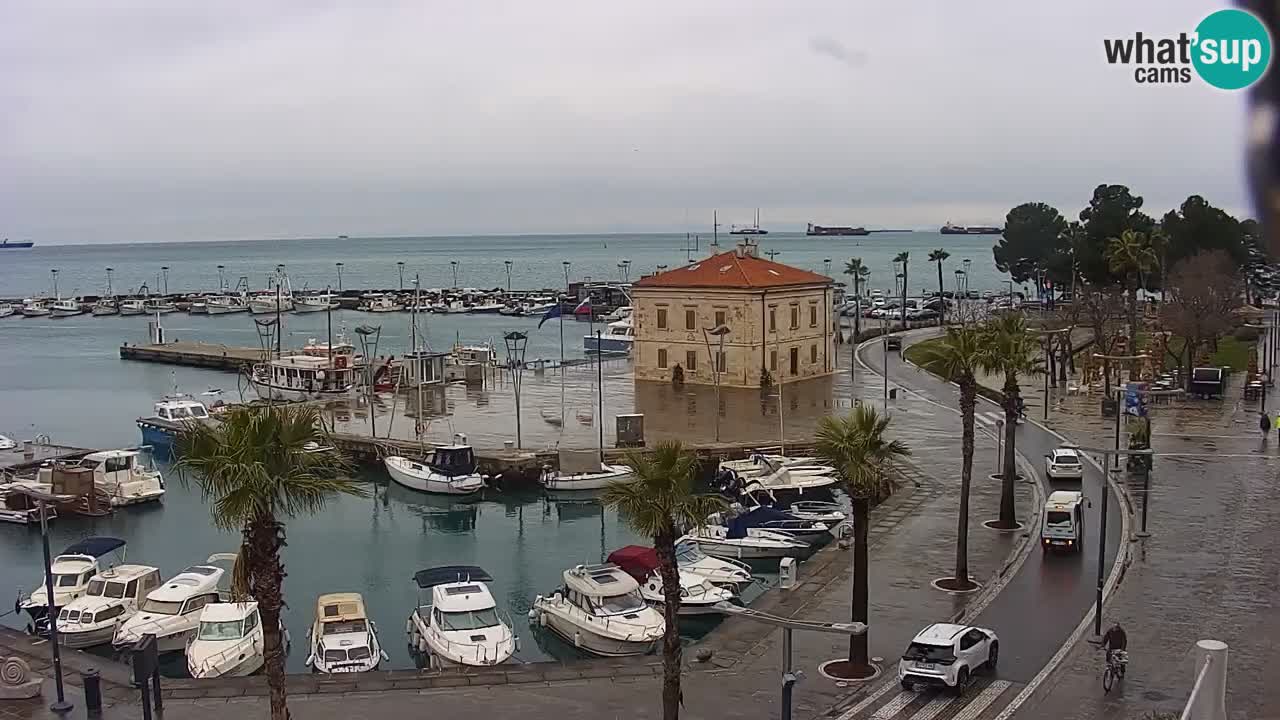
x: 417, y: 366
x: 560, y: 303
x: 600, y: 392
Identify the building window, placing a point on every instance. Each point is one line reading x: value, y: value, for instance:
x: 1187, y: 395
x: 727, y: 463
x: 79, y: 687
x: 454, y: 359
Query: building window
x: 773, y: 319
x: 690, y: 321
x: 813, y: 354
x: 691, y: 360
x: 719, y: 318
x: 662, y: 357
x: 662, y: 318
x: 795, y: 317
x: 813, y: 316
x: 773, y: 361
x: 795, y: 361
x: 719, y: 362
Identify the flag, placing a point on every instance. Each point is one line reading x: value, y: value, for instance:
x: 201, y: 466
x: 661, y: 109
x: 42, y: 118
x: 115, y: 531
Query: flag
x: 551, y: 314
x: 584, y: 305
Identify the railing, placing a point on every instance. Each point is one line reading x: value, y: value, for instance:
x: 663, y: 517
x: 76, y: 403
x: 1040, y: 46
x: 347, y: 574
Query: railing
x: 1208, y: 699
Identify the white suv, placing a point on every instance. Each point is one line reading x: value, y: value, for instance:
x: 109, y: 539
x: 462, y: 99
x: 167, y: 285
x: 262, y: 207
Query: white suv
x: 1063, y: 464
x: 948, y: 655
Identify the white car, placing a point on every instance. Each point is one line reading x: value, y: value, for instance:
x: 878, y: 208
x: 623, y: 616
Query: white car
x: 1063, y: 464
x: 948, y: 655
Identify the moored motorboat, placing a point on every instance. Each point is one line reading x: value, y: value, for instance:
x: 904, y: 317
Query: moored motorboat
x: 758, y: 464
x: 599, y: 610
x: 450, y: 470
x: 35, y: 307
x: 112, y: 598
x: 379, y: 303
x: 66, y: 307
x: 767, y: 518
x: 229, y: 641
x: 297, y: 378
x: 158, y: 306
x: 71, y: 570
x: 133, y: 306
x: 7, y: 310
x: 556, y: 481
x: 314, y: 303
x: 736, y: 541
x: 118, y: 473
x: 698, y: 595
x: 343, y: 639
x: 105, y: 306
x: 171, y: 612
x: 458, y: 622
x: 171, y: 415
x: 224, y: 304
x: 721, y: 571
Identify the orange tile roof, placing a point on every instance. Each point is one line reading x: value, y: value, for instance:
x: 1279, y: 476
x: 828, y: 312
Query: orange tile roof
x: 732, y: 271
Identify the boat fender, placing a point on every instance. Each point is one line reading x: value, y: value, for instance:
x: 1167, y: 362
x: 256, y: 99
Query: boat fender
x: 577, y: 639
x: 408, y: 626
x: 422, y: 645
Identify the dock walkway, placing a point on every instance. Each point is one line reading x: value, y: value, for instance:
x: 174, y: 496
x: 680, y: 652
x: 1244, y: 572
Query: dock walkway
x: 194, y: 354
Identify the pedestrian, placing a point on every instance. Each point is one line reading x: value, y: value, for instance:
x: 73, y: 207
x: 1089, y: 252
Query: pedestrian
x: 1278, y: 424
x: 1264, y: 424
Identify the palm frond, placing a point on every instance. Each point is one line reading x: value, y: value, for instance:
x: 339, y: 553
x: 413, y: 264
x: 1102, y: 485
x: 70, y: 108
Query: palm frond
x: 857, y: 447
x: 660, y: 499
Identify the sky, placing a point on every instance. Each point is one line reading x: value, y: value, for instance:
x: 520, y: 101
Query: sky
x: 177, y: 121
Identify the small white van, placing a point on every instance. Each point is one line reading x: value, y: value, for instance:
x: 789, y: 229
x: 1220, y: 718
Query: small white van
x: 1063, y: 521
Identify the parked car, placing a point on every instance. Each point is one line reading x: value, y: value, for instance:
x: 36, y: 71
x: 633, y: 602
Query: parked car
x: 1063, y: 464
x: 948, y: 655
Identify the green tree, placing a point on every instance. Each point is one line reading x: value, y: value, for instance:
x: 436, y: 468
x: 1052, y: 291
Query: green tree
x: 1034, y: 239
x: 903, y: 257
x: 256, y: 469
x: 657, y: 502
x: 939, y: 256
x: 1131, y: 256
x: 1112, y: 210
x: 857, y: 446
x: 1197, y: 226
x: 1011, y: 351
x: 859, y: 273
x: 958, y: 357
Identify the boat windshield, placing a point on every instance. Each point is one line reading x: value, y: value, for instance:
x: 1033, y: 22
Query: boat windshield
x: 229, y: 630
x: 619, y: 604
x: 66, y: 579
x: 689, y: 553
x: 160, y: 607
x: 346, y: 626
x: 469, y: 619
x: 339, y: 655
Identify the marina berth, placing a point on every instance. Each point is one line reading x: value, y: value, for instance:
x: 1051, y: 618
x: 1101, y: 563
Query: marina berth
x: 457, y: 620
x: 599, y: 610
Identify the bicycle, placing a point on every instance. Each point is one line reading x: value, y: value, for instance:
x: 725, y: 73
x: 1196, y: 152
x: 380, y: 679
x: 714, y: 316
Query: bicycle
x: 1116, y: 662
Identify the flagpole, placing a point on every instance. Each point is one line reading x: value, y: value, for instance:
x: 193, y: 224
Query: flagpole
x: 560, y: 307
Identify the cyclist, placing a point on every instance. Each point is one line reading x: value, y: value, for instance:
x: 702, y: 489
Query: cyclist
x: 1115, y: 640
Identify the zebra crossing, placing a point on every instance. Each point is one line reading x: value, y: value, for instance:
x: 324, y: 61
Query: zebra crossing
x: 891, y: 702
x: 990, y: 419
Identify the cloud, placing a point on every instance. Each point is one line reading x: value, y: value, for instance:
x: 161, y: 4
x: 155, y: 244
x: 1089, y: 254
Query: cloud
x: 836, y: 50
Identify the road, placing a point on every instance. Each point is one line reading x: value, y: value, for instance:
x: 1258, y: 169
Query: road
x: 1039, y: 609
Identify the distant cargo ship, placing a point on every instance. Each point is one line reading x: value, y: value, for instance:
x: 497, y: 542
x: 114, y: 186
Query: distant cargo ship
x: 949, y: 229
x: 7, y: 245
x: 835, y: 230
x: 749, y: 229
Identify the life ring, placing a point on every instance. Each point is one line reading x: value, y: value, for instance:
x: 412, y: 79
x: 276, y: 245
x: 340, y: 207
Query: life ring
x: 340, y: 362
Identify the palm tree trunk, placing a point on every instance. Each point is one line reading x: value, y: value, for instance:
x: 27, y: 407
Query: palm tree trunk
x: 858, y: 656
x: 265, y: 539
x: 1010, y: 471
x: 904, y: 296
x: 664, y: 545
x: 968, y: 400
x: 857, y: 316
x: 942, y: 310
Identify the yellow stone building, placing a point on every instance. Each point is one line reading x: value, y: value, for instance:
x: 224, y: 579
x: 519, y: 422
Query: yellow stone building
x: 778, y: 318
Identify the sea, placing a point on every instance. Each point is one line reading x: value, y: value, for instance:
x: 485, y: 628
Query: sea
x: 63, y: 378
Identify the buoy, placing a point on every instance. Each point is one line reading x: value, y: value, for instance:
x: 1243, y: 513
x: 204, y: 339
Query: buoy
x: 408, y: 626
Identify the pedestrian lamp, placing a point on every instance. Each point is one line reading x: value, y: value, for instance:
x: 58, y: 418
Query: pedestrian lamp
x: 717, y: 364
x: 516, y: 343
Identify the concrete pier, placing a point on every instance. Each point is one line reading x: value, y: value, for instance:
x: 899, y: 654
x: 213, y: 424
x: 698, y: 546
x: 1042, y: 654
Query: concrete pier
x: 194, y: 354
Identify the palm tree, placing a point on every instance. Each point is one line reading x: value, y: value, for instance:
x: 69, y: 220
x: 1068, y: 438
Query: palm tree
x: 903, y: 257
x: 1009, y: 350
x: 958, y: 357
x: 658, y: 502
x: 1132, y: 256
x: 864, y: 459
x: 938, y: 256
x: 859, y: 272
x: 255, y: 469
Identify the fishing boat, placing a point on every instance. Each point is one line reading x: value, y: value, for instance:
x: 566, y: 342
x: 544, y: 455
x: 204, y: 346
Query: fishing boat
x: 698, y: 595
x: 342, y: 638
x: 458, y: 621
x: 7, y: 310
x: 270, y: 302
x: 379, y: 303
x: 229, y: 641
x: 599, y: 610
x: 448, y: 470
x: 35, y: 307
x: 133, y: 306
x: 71, y: 572
x: 171, y: 415
x: 158, y: 306
x: 314, y: 303
x: 118, y: 473
x: 743, y: 543
x: 105, y: 306
x: 171, y: 612
x: 487, y: 307
x: 298, y: 378
x: 112, y: 598
x: 66, y: 307
x: 225, y: 304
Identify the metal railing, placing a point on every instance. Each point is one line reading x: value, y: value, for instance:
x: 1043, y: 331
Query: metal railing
x: 1208, y: 699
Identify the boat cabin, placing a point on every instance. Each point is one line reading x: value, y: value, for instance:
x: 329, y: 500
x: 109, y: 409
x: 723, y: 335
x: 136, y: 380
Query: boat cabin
x: 228, y: 621
x: 458, y: 597
x: 307, y: 373
x: 424, y: 367
x: 603, y: 591
x: 177, y: 410
x: 185, y: 593
x: 127, y: 584
x: 474, y: 354
x: 454, y: 460
x: 342, y: 640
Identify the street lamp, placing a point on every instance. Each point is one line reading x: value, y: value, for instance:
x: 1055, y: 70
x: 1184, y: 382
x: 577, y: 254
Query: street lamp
x: 508, y: 264
x: 54, y: 271
x: 717, y: 362
x: 109, y: 271
x: 165, y: 269
x: 400, y: 267
x: 454, y: 264
x: 516, y: 343
x: 566, y: 264
x: 339, y: 266
x: 966, y: 263
x: 222, y: 278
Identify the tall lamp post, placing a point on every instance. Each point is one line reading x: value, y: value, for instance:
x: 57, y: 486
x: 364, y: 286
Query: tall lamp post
x: 222, y: 278
x: 966, y: 264
x: 339, y: 266
x: 508, y: 264
x: 454, y: 265
x: 61, y: 705
x: 719, y: 331
x: 566, y: 265
x: 516, y: 343
x: 400, y: 267
x: 165, y: 270
x: 54, y: 272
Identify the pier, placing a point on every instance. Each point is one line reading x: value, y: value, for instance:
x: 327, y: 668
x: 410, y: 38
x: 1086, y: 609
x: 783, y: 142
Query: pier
x: 30, y: 455
x: 194, y: 354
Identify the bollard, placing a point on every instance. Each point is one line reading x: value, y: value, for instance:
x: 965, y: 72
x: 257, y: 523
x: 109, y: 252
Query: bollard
x: 92, y: 683
x: 1208, y: 699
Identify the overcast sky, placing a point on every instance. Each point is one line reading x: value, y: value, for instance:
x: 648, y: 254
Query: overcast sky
x: 155, y: 121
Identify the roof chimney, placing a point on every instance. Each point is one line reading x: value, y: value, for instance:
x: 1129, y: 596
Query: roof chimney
x: 747, y: 248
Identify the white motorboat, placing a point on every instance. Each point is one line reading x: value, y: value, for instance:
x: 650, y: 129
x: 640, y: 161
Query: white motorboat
x: 599, y: 610
x: 295, y: 378
x: 72, y: 570
x: 767, y: 518
x: 66, y: 307
x: 450, y: 470
x: 786, y: 484
x: 746, y: 543
x: 759, y: 464
x: 619, y: 313
x: 7, y: 443
x: 171, y: 612
x: 556, y: 481
x: 35, y: 307
x: 691, y: 559
x: 617, y: 339
x: 379, y: 303
x: 343, y: 639
x: 314, y: 303
x: 160, y: 430
x: 118, y: 473
x: 270, y: 302
x: 105, y: 306
x: 7, y: 310
x: 459, y: 624
x: 133, y: 306
x: 224, y: 304
x: 486, y: 308
x: 112, y: 598
x: 829, y: 512
x: 158, y: 306
x: 698, y: 595
x: 228, y: 642
x: 198, y: 306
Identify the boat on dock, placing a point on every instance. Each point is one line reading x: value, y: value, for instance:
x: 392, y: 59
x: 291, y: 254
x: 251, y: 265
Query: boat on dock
x: 458, y: 622
x: 448, y: 470
x: 229, y: 641
x: 298, y: 378
x: 599, y: 610
x: 72, y: 570
x: 342, y: 638
x: 171, y: 612
x: 112, y: 598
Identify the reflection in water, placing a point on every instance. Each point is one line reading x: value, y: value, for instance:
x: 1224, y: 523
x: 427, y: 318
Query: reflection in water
x: 441, y: 513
